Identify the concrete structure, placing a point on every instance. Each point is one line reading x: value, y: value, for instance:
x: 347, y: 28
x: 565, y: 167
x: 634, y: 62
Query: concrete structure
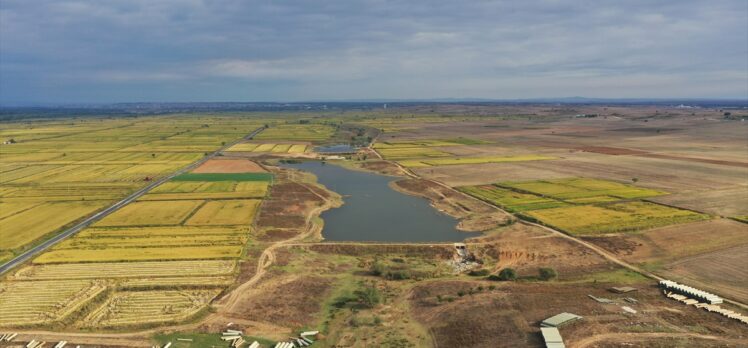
x: 560, y: 320
x: 552, y: 337
x: 688, y: 291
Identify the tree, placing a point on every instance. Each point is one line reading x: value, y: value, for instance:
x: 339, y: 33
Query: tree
x: 508, y: 274
x: 634, y: 180
x: 547, y: 273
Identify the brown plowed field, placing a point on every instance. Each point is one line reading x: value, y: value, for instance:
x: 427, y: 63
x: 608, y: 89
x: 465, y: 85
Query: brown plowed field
x: 229, y: 166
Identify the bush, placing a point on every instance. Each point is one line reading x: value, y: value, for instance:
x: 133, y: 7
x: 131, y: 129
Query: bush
x: 479, y: 272
x: 368, y: 297
x: 507, y: 274
x: 547, y: 273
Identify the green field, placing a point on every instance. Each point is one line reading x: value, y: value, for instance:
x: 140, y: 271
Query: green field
x: 471, y: 160
x: 511, y: 200
x: 583, y: 190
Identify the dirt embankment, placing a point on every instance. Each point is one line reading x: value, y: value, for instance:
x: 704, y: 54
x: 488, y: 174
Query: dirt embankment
x: 474, y: 215
x: 286, y: 211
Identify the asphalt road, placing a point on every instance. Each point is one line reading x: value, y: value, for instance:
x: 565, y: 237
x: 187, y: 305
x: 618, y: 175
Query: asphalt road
x: 28, y: 254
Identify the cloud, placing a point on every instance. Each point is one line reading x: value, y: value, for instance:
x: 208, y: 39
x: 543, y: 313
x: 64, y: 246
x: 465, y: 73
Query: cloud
x: 89, y: 51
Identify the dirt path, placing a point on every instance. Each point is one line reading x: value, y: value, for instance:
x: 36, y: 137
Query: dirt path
x: 267, y: 258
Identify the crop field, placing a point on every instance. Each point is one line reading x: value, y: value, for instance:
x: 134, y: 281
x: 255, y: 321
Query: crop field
x: 136, y: 270
x: 96, y: 160
x: 428, y: 142
x: 26, y: 226
x: 613, y: 218
x: 583, y: 190
x: 273, y: 148
x: 417, y: 163
x: 297, y: 132
x: 134, y: 308
x: 140, y: 254
x: 152, y: 241
x: 224, y: 177
x: 511, y: 200
x: 228, y: 212
x: 229, y: 166
x: 399, y: 153
x: 177, y: 282
x: 156, y: 231
x: 151, y: 213
x: 179, y: 190
x: 41, y: 302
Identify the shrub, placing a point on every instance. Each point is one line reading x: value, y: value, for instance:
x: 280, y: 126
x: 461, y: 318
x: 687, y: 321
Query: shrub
x: 507, y: 274
x: 368, y: 296
x: 547, y: 273
x: 479, y: 272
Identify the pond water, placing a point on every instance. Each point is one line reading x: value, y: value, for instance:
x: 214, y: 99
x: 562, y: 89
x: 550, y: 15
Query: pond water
x: 372, y: 211
x: 331, y: 149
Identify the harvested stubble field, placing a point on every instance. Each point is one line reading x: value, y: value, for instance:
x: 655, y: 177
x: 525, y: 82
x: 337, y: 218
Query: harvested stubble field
x: 187, y: 268
x: 142, y: 308
x: 40, y: 302
x: 140, y: 254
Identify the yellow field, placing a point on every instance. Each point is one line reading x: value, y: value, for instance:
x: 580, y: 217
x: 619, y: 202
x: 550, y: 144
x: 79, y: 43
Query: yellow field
x: 14, y: 207
x: 130, y: 232
x: 98, y: 159
x: 30, y: 225
x: 399, y: 153
x: 613, y: 218
x: 269, y: 148
x: 187, y: 268
x: 40, y: 302
x: 175, y: 282
x: 139, y: 254
x: 151, y: 214
x: 179, y: 190
x: 297, y: 132
x: 152, y: 241
x: 127, y: 308
x: 229, y: 212
x: 471, y: 160
x: 583, y: 190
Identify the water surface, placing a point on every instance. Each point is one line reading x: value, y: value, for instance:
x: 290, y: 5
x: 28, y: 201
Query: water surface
x: 372, y: 211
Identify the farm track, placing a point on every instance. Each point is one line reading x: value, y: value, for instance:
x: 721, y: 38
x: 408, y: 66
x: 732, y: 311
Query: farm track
x: 27, y: 255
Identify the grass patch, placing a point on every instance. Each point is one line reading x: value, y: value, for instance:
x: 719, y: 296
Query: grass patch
x: 201, y: 340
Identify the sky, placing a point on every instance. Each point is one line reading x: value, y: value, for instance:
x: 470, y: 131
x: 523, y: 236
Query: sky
x: 61, y: 51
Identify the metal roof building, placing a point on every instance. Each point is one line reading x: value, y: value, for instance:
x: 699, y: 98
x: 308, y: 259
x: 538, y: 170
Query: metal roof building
x: 559, y: 320
x: 552, y: 337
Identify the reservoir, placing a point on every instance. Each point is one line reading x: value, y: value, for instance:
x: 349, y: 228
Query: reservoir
x: 372, y: 211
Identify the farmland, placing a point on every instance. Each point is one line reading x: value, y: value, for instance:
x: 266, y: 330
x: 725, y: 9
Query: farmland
x: 240, y: 239
x: 68, y: 169
x: 614, y: 218
x: 139, y: 308
x: 297, y: 132
x: 270, y: 148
